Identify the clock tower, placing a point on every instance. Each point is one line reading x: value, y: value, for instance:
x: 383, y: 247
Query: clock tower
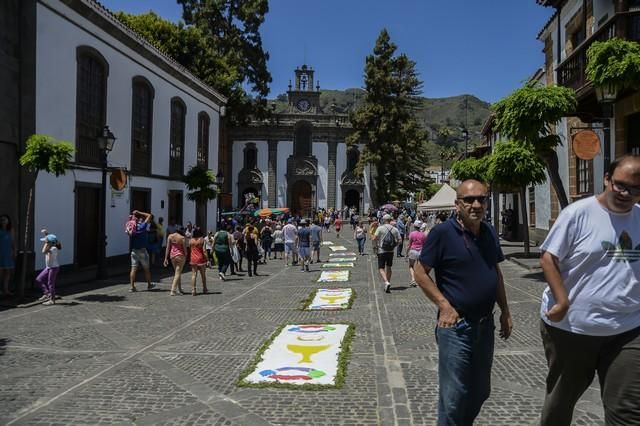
x: 303, y: 99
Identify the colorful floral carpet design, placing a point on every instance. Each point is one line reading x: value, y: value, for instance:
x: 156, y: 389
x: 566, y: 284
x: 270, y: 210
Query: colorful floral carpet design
x: 333, y: 276
x: 330, y: 299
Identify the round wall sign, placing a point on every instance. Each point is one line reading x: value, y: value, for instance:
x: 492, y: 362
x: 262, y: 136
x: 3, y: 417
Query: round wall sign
x: 118, y: 179
x: 586, y: 144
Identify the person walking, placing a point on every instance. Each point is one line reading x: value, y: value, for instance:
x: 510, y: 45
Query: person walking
x: 198, y: 261
x: 400, y: 225
x: 238, y: 239
x: 251, y: 243
x: 387, y: 237
x: 222, y: 242
x: 208, y: 246
x: 316, y: 240
x: 360, y: 235
x: 47, y: 277
x: 414, y: 247
x: 590, y: 310
x: 290, y: 233
x: 304, y: 245
x: 465, y: 253
x: 278, y: 243
x: 337, y: 223
x: 138, y: 241
x: 372, y: 232
x: 266, y: 240
x: 176, y: 252
x: 7, y: 253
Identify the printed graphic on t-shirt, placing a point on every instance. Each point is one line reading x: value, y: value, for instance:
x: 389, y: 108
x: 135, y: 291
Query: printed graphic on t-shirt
x: 624, y: 250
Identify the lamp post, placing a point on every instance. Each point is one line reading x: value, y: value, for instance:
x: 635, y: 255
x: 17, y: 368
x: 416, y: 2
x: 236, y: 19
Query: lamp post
x: 606, y: 95
x: 106, y: 140
x: 465, y: 135
x: 219, y: 183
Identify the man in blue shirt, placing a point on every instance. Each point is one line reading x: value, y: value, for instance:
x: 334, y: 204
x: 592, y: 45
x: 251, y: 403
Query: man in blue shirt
x: 138, y: 240
x: 316, y: 240
x: 465, y: 252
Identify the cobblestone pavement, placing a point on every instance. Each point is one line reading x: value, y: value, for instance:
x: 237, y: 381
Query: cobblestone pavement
x: 108, y: 356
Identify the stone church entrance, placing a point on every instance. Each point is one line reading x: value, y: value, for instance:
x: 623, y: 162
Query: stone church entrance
x: 301, y: 197
x: 352, y: 199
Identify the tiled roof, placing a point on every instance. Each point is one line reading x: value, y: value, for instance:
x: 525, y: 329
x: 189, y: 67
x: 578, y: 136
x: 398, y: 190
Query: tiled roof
x: 547, y: 24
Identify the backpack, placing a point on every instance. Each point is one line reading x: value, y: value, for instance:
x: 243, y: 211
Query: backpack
x: 389, y: 240
x: 130, y: 226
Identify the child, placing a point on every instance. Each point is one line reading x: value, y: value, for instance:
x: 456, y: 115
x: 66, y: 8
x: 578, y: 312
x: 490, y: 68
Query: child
x: 47, y: 278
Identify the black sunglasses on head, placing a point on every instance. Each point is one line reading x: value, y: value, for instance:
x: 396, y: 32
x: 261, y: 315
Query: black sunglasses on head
x: 470, y: 199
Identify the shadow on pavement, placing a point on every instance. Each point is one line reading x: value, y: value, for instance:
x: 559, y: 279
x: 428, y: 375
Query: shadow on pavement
x: 539, y: 276
x: 100, y: 298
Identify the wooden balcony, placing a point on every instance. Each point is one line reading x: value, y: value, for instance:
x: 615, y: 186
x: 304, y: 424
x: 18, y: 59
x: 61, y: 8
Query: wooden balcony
x: 571, y: 72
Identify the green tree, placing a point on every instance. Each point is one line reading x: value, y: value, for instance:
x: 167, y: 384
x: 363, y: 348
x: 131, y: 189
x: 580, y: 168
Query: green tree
x: 614, y: 62
x: 214, y: 57
x: 201, y: 183
x: 471, y: 168
x: 527, y: 117
x: 232, y: 29
x: 42, y: 153
x: 385, y: 121
x: 514, y: 165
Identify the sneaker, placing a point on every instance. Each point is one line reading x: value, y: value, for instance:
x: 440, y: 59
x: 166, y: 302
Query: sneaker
x: 151, y: 287
x: 221, y: 275
x: 387, y: 287
x: 413, y: 284
x: 44, y: 298
x: 133, y: 290
x: 49, y: 303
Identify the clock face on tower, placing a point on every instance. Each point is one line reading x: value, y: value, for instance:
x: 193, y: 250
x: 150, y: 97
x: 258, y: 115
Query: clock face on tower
x: 303, y: 105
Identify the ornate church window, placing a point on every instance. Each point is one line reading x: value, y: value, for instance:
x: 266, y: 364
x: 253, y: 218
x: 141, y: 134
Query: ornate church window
x: 352, y: 159
x: 251, y: 156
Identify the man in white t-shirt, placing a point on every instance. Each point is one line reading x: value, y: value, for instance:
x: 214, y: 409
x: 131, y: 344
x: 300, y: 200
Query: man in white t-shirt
x: 387, y: 237
x: 591, y: 309
x: 290, y: 234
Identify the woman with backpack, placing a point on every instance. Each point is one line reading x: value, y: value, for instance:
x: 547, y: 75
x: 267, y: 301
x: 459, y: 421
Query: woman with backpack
x: 176, y: 251
x: 198, y: 261
x: 222, y: 241
x: 360, y: 235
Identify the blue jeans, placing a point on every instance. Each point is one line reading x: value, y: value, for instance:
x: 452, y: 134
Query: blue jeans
x: 465, y: 355
x: 361, y: 242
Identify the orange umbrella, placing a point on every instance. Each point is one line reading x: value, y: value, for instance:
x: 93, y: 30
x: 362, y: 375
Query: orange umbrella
x: 268, y: 212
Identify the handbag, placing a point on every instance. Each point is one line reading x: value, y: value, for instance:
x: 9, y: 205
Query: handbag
x: 235, y: 255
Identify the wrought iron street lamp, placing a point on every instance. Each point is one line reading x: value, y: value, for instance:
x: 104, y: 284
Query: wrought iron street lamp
x: 465, y: 135
x: 219, y: 183
x: 106, y: 141
x: 606, y: 95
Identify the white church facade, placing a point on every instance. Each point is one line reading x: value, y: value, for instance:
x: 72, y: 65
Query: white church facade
x: 298, y: 158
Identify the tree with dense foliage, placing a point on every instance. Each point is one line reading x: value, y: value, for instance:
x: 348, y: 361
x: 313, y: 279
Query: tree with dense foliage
x: 232, y: 28
x: 386, y: 123
x: 228, y: 59
x: 471, y: 168
x: 516, y: 166
x: 201, y: 182
x: 527, y: 117
x: 614, y: 62
x: 42, y: 153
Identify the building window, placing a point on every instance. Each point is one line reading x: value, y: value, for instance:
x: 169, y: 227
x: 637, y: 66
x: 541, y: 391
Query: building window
x: 532, y: 206
x: 633, y: 134
x: 584, y: 169
x: 203, y: 139
x: 91, y: 103
x: 302, y: 141
x: 141, y: 125
x: 176, y: 138
x: 352, y: 159
x: 250, y: 156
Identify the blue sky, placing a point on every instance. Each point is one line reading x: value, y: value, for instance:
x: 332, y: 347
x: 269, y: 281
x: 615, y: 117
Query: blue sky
x: 486, y: 48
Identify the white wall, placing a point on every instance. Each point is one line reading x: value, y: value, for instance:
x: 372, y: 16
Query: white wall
x: 341, y: 166
x: 57, y: 41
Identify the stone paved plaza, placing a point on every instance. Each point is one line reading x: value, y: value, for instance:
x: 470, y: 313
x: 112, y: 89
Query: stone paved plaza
x: 109, y: 356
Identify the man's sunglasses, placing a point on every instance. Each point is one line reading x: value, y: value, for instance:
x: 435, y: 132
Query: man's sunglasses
x: 634, y: 191
x: 470, y: 199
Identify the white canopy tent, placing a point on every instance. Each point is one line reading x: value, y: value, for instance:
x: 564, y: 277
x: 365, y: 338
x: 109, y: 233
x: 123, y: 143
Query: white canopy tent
x: 444, y: 199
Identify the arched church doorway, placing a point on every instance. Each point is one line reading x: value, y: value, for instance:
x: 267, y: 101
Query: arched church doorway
x: 302, y: 202
x: 352, y: 199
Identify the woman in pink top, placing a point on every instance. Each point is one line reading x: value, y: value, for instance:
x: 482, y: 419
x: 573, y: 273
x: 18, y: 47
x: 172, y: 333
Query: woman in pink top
x: 416, y: 240
x: 176, y: 250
